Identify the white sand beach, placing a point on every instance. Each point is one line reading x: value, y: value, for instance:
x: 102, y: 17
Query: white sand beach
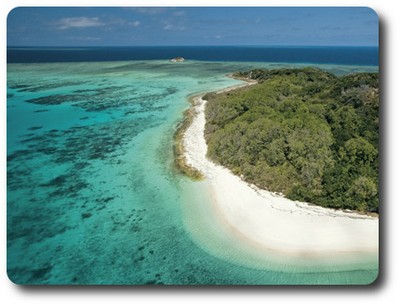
x: 270, y: 221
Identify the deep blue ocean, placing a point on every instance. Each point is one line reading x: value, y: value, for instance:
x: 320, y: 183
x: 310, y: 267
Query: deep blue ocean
x: 364, y: 56
x: 93, y: 196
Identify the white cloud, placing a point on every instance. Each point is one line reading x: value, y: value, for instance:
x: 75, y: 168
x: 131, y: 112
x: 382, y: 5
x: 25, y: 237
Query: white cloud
x: 79, y: 22
x: 174, y: 24
x: 172, y: 27
x: 168, y: 27
x: 135, y: 23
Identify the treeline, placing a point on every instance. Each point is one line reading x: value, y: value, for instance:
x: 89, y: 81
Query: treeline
x: 304, y: 132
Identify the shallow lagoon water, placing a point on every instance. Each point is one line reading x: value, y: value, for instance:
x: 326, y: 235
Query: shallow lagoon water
x: 92, y: 193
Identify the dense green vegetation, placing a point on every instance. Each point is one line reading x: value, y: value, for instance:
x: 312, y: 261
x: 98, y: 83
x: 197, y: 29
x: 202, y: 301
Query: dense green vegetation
x: 304, y: 132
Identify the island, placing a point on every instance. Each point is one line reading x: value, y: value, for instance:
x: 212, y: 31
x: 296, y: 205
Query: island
x: 302, y: 132
x: 291, y: 160
x: 177, y: 59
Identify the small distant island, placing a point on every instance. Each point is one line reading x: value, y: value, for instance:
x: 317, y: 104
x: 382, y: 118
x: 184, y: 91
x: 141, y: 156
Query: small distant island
x: 177, y: 59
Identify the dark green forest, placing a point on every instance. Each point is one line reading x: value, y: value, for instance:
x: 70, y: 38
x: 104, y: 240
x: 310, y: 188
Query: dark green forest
x: 306, y: 133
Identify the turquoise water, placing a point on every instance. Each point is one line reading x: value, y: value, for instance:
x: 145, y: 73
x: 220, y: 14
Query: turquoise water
x: 92, y: 193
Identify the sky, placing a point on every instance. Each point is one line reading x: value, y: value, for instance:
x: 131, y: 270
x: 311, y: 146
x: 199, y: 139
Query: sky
x: 186, y: 26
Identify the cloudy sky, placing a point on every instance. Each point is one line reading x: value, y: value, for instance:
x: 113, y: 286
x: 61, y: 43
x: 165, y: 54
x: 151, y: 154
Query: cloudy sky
x: 134, y: 26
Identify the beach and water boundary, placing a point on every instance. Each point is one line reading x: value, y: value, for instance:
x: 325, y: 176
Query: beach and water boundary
x: 260, y: 229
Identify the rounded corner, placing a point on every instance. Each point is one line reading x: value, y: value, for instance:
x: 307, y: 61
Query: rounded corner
x: 374, y: 12
x: 12, y: 11
x: 375, y: 280
x: 12, y: 279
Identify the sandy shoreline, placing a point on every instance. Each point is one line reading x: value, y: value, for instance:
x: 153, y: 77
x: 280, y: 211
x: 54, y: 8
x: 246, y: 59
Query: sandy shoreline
x: 271, y: 221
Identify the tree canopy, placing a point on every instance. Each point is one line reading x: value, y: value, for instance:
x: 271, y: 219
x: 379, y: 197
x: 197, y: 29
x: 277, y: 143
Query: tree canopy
x: 304, y: 132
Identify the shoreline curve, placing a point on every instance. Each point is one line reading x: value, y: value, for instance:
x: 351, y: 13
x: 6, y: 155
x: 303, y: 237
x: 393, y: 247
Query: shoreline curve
x: 270, y: 222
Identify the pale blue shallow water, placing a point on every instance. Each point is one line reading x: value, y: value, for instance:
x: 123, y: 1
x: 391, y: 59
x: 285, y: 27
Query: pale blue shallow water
x: 92, y: 193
